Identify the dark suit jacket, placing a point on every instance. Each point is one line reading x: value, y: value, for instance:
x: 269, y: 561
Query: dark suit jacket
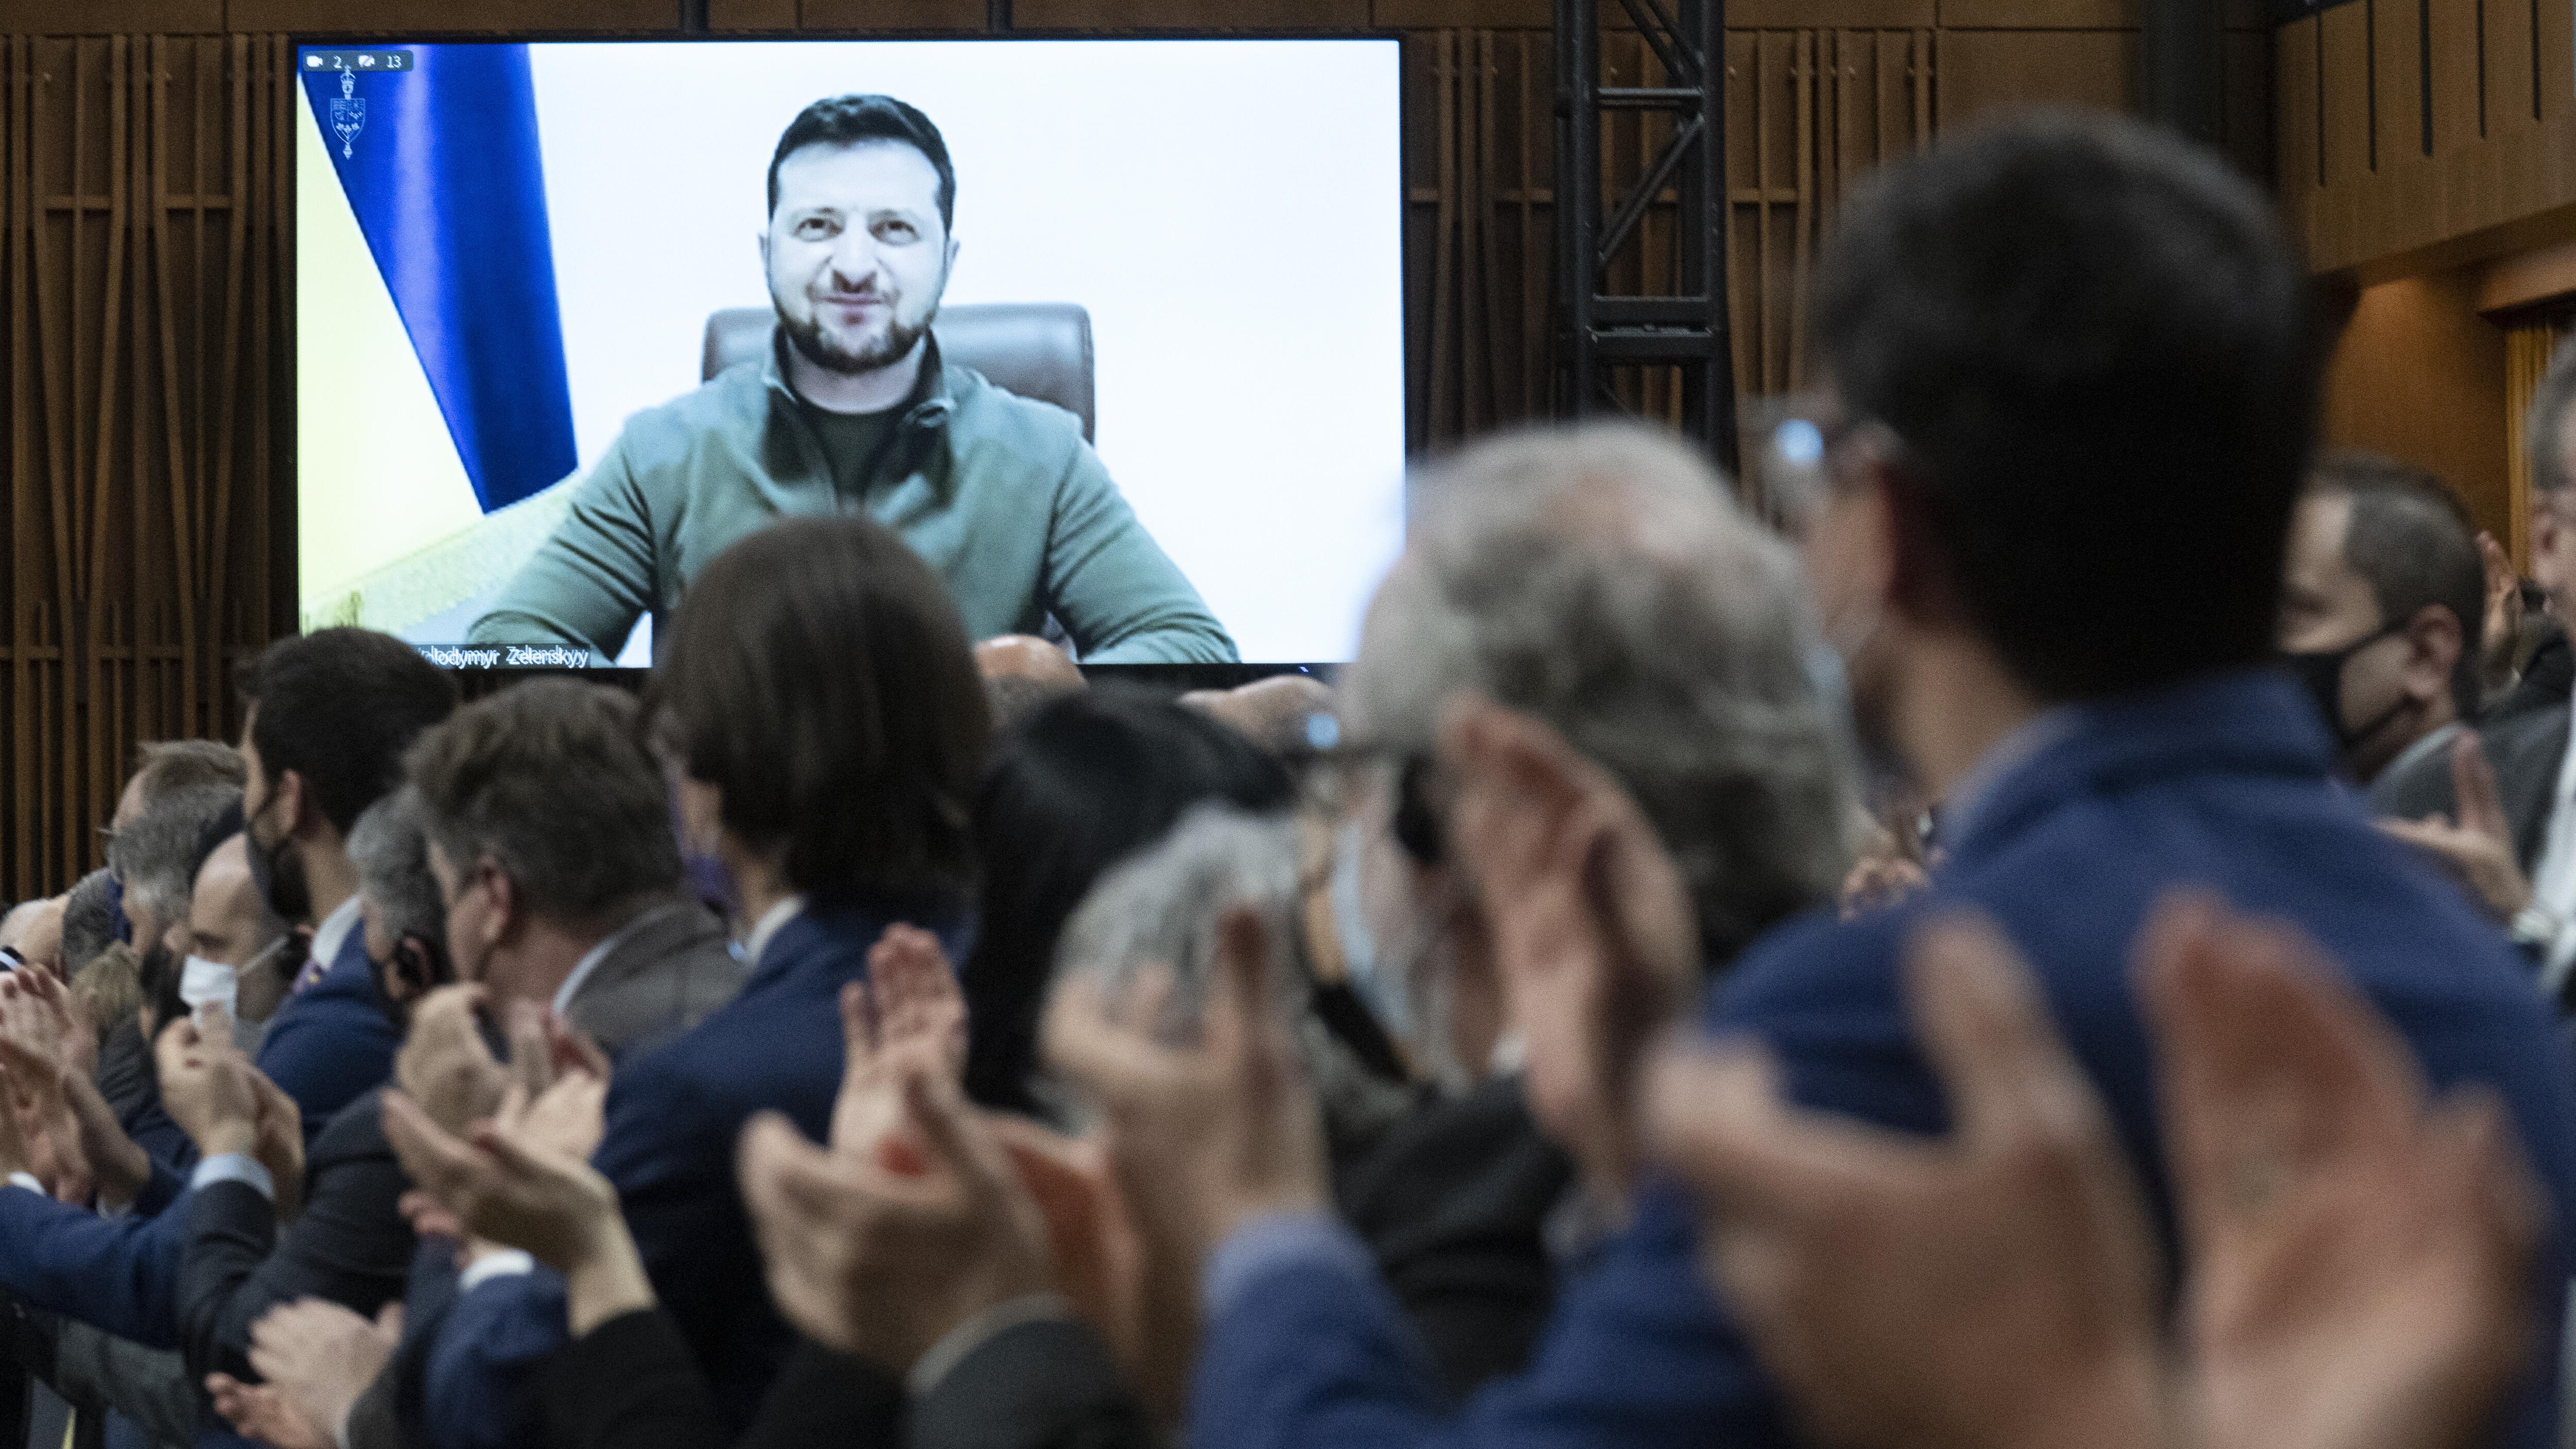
x: 349, y: 1245
x: 331, y: 1041
x: 2527, y: 750
x: 662, y: 978
x: 673, y: 966
x: 2219, y: 783
x: 673, y: 1116
x: 1454, y: 1204
x: 632, y: 1383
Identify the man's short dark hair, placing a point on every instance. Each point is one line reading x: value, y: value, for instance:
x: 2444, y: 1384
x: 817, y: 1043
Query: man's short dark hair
x: 2411, y: 540
x: 2544, y: 423
x: 2097, y: 347
x: 339, y: 707
x: 167, y: 765
x: 552, y: 780
x: 819, y: 675
x: 853, y: 120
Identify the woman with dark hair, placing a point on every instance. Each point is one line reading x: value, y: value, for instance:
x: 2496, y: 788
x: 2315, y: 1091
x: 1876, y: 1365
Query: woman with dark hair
x: 820, y: 718
x: 1089, y: 779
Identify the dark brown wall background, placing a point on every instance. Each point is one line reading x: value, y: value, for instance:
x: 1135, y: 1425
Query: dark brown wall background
x: 146, y: 258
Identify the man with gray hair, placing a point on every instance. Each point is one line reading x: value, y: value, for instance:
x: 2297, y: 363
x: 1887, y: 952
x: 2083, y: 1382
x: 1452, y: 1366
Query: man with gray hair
x: 1602, y: 581
x: 158, y: 855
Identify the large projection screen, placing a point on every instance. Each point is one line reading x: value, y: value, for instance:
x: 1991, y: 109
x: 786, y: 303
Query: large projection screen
x: 504, y: 253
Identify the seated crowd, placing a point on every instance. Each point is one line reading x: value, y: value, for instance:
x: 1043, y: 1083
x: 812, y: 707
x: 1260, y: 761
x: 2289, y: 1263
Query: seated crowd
x: 1920, y: 971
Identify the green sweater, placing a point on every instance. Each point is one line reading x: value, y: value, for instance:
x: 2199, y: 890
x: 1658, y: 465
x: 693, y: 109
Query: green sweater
x: 998, y: 493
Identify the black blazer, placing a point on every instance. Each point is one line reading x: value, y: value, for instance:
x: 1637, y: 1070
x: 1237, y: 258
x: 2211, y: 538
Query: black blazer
x: 1454, y: 1204
x: 632, y: 1383
x: 349, y: 1245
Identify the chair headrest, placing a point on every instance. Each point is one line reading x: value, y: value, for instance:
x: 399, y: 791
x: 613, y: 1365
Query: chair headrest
x: 1039, y: 350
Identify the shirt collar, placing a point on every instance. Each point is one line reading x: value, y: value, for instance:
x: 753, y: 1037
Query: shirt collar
x: 591, y: 958
x: 2423, y: 748
x: 1999, y: 761
x: 931, y: 402
x: 332, y: 931
x: 768, y: 927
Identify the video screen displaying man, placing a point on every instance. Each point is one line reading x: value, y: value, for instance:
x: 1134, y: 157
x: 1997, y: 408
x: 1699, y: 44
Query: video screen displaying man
x: 853, y: 410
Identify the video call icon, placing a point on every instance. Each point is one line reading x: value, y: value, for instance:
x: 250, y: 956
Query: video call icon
x: 355, y: 60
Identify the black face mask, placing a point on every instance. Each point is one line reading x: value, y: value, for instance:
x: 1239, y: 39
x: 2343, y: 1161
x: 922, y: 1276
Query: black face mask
x: 276, y: 872
x: 2321, y: 674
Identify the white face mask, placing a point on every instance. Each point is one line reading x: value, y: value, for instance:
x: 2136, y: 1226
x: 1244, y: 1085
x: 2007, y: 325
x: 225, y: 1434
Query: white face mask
x: 204, y: 983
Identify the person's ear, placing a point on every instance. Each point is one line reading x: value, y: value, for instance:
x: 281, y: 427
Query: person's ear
x: 292, y: 799
x: 505, y: 919
x: 950, y: 265
x: 764, y: 251
x: 2434, y: 640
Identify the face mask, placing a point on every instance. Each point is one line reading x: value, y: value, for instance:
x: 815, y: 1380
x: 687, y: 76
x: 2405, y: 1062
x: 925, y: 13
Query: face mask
x: 2321, y: 674
x: 204, y: 983
x: 275, y: 873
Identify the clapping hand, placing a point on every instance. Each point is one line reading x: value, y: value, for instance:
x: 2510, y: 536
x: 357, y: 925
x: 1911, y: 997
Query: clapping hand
x: 2357, y: 1255
x: 914, y: 1219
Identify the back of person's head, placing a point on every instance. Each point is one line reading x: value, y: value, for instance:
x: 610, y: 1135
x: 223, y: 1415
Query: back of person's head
x: 2411, y: 540
x: 2097, y: 348
x: 1603, y: 580
x: 819, y: 677
x: 552, y: 782
x: 89, y: 919
x: 339, y: 707
x: 406, y: 922
x: 1021, y: 673
x: 1089, y: 779
x: 162, y: 766
x: 1162, y: 907
x: 111, y: 987
x: 160, y: 854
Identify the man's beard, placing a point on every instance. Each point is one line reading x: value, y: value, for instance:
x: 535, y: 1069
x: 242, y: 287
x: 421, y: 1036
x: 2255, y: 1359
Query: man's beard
x: 818, y: 347
x: 825, y: 351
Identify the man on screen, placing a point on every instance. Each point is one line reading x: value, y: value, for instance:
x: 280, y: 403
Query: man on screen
x: 853, y: 410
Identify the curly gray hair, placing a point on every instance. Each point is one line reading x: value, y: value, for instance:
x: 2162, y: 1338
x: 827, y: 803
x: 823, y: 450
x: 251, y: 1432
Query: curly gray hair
x: 1603, y: 579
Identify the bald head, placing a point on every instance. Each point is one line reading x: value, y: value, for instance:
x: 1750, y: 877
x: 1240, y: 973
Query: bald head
x: 1020, y: 673
x: 227, y: 919
x: 1272, y: 713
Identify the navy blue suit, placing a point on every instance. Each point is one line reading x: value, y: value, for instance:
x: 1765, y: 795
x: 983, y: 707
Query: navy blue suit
x: 673, y: 1116
x: 331, y: 1042
x: 2219, y: 783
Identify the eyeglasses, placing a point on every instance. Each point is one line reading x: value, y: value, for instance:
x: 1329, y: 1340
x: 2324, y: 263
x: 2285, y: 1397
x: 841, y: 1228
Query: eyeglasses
x: 1416, y: 825
x: 1797, y: 462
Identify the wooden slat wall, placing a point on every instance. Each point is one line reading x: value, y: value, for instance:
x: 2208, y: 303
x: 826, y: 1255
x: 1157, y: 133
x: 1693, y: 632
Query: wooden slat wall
x: 2368, y: 185
x: 143, y: 263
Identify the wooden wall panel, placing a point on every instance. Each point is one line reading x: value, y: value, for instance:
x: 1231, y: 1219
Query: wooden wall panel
x: 438, y: 17
x: 2365, y: 186
x: 145, y: 256
x: 1190, y: 15
x: 1984, y: 70
x: 946, y: 16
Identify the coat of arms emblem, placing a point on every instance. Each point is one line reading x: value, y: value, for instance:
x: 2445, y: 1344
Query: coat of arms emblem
x: 348, y: 111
